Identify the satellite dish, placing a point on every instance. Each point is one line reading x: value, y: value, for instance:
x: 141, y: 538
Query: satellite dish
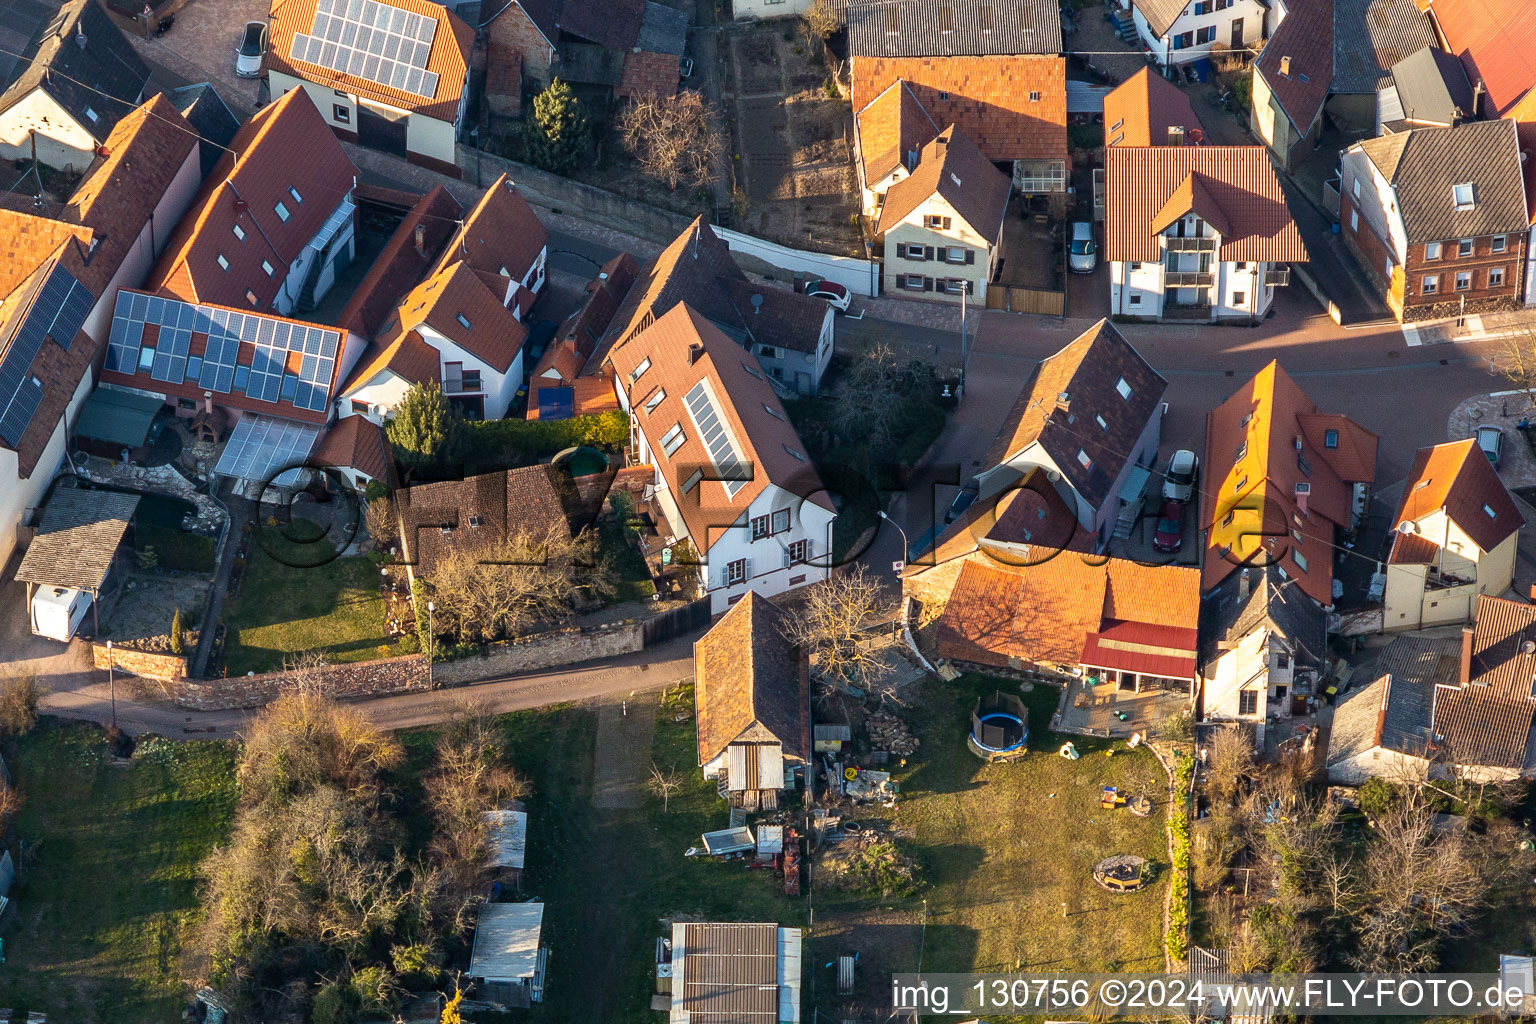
x: 757, y: 304
x: 1407, y: 527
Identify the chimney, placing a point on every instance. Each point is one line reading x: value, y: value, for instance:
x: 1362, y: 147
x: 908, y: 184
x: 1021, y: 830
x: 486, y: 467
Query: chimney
x: 694, y: 352
x: 1064, y: 400
x: 1477, y: 98
x: 1175, y: 135
x: 80, y: 38
x: 1285, y: 66
x: 421, y: 240
x: 1466, y: 655
x: 1533, y: 593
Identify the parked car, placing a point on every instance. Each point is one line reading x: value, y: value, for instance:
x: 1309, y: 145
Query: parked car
x: 833, y: 292
x: 1491, y: 440
x: 1084, y: 255
x: 253, y: 47
x: 685, y: 68
x: 1179, y: 481
x: 1169, y: 535
x: 964, y: 500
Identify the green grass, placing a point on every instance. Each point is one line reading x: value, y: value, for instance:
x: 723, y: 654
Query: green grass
x: 1003, y: 847
x: 106, y: 901
x: 310, y: 604
x: 634, y: 579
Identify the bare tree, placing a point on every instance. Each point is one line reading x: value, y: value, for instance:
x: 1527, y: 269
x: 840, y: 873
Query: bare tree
x: 379, y: 517
x: 676, y: 139
x: 664, y: 782
x: 830, y: 624
x: 10, y: 806
x: 823, y: 19
x: 1515, y: 358
x: 20, y: 693
x: 1231, y: 757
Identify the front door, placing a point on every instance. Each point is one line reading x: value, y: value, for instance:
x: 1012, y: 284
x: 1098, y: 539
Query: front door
x: 1237, y: 33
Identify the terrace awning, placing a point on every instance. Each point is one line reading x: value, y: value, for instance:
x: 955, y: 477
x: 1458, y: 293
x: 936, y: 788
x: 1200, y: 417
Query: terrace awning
x: 117, y: 417
x: 262, y: 447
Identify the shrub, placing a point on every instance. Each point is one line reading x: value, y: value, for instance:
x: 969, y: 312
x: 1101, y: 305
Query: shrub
x: 376, y: 990
x: 1378, y: 797
x: 332, y: 1005
x: 415, y: 963
x: 178, y: 636
x: 494, y: 444
x: 20, y: 693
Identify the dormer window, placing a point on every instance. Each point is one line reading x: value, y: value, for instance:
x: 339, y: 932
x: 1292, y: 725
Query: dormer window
x: 476, y: 522
x: 1330, y: 439
x: 1465, y: 195
x: 639, y: 371
x: 281, y: 211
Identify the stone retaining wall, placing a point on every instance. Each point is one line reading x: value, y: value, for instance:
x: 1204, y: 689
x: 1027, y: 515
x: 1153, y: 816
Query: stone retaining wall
x: 542, y: 651
x: 377, y: 678
x: 167, y: 668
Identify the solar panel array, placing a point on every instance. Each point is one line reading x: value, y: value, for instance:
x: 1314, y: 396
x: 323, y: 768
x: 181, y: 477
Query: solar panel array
x: 373, y: 41
x: 58, y: 311
x: 267, y: 377
x: 260, y: 446
x: 716, y: 436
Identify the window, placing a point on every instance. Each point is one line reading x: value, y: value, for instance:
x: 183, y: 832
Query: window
x: 693, y: 480
x: 281, y: 211
x: 1184, y: 40
x: 776, y: 414
x: 1303, y: 465
x: 341, y: 114
x: 476, y: 521
x: 1041, y: 176
x: 639, y: 371
x: 958, y: 254
x: 1463, y: 280
x: 239, y: 232
x: 1491, y: 513
x: 735, y: 572
x: 1248, y: 702
x: 1241, y: 265
x: 470, y: 380
x: 1124, y: 389
x: 1330, y: 439
x: 1464, y: 247
x: 1431, y: 250
x: 1226, y: 520
x: 1354, y: 220
x: 1102, y: 422
x: 911, y: 252
x: 798, y: 456
x: 799, y: 551
x: 751, y: 370
x: 1431, y: 284
x: 1498, y: 243
x: 1205, y: 35
x: 1135, y: 300
x: 1495, y: 277
x: 673, y: 439
x: 936, y: 221
x: 912, y: 282
x: 760, y: 527
x: 267, y: 268
x: 223, y: 263
x: 655, y: 399
x: 1355, y: 187
x: 1242, y: 482
x: 295, y: 193
x: 1300, y: 559
x: 250, y: 297
x: 463, y: 321
x: 1238, y: 298
x: 780, y: 520
x: 957, y: 285
x: 1202, y: 7
x: 1034, y: 96
x: 92, y: 115
x: 1465, y: 195
x: 185, y: 403
x: 1242, y: 450
x: 1083, y: 458
x: 359, y: 406
x: 767, y: 352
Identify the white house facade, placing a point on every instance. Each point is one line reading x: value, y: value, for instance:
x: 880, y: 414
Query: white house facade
x: 1176, y: 33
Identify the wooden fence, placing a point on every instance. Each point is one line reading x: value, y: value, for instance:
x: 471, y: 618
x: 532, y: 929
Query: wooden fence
x: 1026, y: 300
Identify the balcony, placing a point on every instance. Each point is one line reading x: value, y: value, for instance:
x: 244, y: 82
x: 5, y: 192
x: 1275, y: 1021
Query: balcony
x: 1188, y: 279
x: 1189, y: 244
x: 469, y: 384
x: 1277, y: 277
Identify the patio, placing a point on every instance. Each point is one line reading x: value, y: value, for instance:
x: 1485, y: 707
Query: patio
x: 1103, y: 710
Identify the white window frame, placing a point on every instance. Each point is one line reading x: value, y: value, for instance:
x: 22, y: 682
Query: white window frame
x: 1463, y: 275
x: 673, y: 439
x: 736, y: 572
x: 1430, y: 285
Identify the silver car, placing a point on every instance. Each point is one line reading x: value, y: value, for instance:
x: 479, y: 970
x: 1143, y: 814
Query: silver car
x: 253, y: 47
x: 1179, y: 481
x: 1491, y: 440
x: 1083, y: 255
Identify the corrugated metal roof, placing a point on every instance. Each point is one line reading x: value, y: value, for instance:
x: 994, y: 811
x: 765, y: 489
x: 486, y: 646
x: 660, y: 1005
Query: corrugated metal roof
x: 731, y: 973
x: 509, y: 837
x: 507, y: 941
x: 950, y: 28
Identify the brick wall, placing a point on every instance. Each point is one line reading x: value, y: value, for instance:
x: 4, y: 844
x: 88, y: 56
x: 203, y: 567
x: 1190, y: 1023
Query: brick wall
x: 542, y: 651
x: 359, y: 679
x: 514, y: 33
x: 1481, y: 297
x: 1372, y: 253
x: 167, y: 668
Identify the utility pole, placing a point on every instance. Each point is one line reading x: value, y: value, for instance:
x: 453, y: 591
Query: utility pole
x: 431, y: 636
x: 112, y: 683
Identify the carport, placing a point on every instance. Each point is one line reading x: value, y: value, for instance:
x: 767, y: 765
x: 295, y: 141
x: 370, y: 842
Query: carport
x: 115, y: 420
x: 76, y: 544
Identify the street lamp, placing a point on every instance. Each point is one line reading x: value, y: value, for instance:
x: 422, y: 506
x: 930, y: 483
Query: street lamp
x: 112, y: 682
x: 906, y: 545
x: 430, y: 637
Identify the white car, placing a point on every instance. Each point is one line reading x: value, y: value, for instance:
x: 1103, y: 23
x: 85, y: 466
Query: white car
x: 1179, y: 481
x: 253, y: 47
x: 1084, y: 255
x: 836, y: 295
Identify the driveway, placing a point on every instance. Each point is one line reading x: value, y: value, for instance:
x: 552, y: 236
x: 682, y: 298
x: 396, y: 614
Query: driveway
x: 58, y: 666
x: 200, y: 47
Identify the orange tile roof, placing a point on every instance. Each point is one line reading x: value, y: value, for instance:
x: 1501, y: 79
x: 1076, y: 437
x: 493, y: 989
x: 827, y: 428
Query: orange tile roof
x: 764, y: 438
x: 404, y: 354
x: 1140, y: 110
x: 989, y: 97
x: 750, y: 683
x: 27, y: 241
x: 952, y: 167
x: 1028, y: 516
x: 356, y: 442
x: 1249, y: 507
x: 891, y: 126
x: 1234, y: 186
x: 1457, y: 478
x: 1496, y: 41
x: 492, y: 335
x: 402, y: 262
x: 286, y: 145
x: 448, y: 57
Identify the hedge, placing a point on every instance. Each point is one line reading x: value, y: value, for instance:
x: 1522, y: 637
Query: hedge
x: 1177, y: 939
x: 514, y: 442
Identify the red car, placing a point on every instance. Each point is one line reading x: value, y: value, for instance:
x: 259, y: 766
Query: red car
x: 1169, y: 535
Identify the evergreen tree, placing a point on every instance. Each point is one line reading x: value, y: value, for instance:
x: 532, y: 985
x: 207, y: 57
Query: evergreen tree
x: 178, y: 636
x: 560, y: 134
x: 426, y: 430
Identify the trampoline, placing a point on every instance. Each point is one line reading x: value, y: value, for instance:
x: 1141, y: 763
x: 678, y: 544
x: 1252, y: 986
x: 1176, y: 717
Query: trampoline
x: 1122, y: 873
x: 999, y: 727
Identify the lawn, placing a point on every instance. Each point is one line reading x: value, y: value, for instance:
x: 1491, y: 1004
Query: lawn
x: 106, y: 901
x: 633, y: 577
x: 289, y: 603
x: 1004, y: 847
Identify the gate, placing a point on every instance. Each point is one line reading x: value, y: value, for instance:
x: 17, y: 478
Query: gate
x: 381, y: 128
x: 665, y: 626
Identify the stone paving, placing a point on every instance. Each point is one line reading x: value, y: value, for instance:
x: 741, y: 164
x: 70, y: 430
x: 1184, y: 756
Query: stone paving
x: 200, y: 47
x: 1517, y: 464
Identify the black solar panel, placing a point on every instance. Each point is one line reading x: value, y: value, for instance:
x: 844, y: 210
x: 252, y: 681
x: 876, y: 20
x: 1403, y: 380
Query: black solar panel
x: 20, y: 411
x: 373, y: 41
x: 58, y: 310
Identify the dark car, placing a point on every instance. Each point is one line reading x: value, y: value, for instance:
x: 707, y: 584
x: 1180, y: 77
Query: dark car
x: 1169, y: 535
x: 964, y: 500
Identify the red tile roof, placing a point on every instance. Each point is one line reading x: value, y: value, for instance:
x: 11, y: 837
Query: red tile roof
x: 577, y: 338
x: 1455, y: 477
x: 751, y: 684
x: 892, y: 126
x: 1496, y: 41
x: 1303, y: 44
x: 402, y: 263
x: 1488, y: 721
x: 991, y: 98
x: 500, y: 233
x: 1140, y: 110
x: 1234, y: 186
x: 448, y: 58
x: 142, y: 157
x: 356, y: 442
x: 27, y: 241
x: 648, y: 74
x: 285, y: 145
x: 505, y: 504
x: 952, y: 167
x: 402, y: 353
x: 493, y: 335
x: 1524, y: 116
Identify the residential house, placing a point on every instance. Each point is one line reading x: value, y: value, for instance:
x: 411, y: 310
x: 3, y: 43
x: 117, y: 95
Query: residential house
x: 1429, y: 90
x: 557, y: 389
x: 464, y: 325
x: 734, y: 972
x: 942, y: 225
x: 58, y: 284
x: 71, y: 78
x: 1282, y: 485
x: 1482, y: 721
x: 1148, y: 110
x: 274, y: 223
x: 507, y: 961
x: 1330, y: 57
x: 613, y: 48
x: 1176, y: 31
x: 1496, y: 42
x: 790, y: 334
x: 477, y: 512
x: 994, y: 72
x: 731, y: 474
x: 752, y: 695
x: 408, y: 257
x: 1438, y: 218
x: 1384, y: 729
x: 392, y: 76
x: 1089, y: 416
x: 888, y: 137
x: 1196, y: 232
x: 357, y: 450
x: 1457, y: 532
